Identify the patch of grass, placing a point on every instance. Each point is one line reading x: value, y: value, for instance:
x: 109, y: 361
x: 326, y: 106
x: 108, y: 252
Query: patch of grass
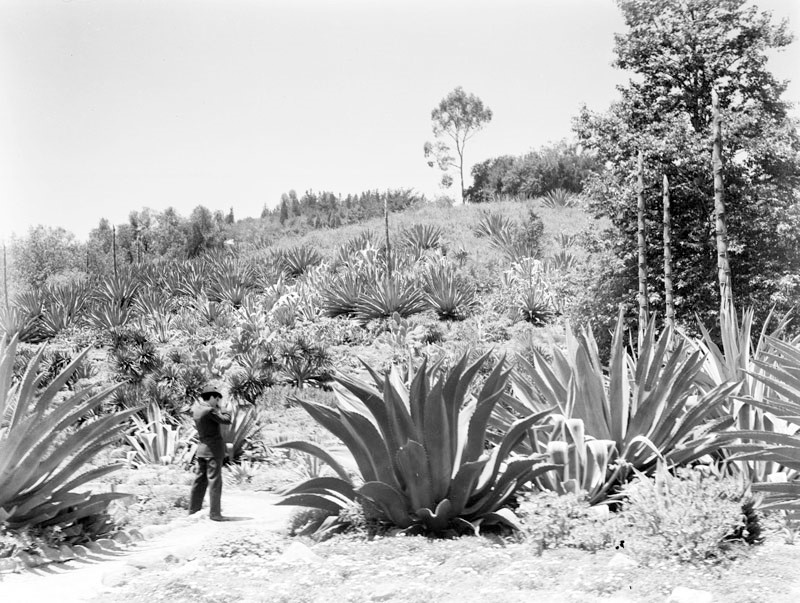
x: 246, y: 564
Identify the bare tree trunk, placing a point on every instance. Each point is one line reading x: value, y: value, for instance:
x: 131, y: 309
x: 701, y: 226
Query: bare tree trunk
x: 114, y: 247
x: 5, y: 276
x: 388, y: 244
x: 643, y: 309
x: 723, y: 267
x: 668, y: 257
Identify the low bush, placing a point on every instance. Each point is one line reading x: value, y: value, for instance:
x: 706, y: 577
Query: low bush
x: 551, y: 520
x: 689, y: 517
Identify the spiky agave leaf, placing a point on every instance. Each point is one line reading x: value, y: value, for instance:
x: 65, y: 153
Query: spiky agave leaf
x: 44, y: 447
x: 645, y: 406
x: 418, y: 442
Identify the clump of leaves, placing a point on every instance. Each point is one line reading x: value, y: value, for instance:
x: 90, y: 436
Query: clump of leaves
x: 135, y: 356
x: 551, y: 520
x: 687, y: 516
x: 305, y: 363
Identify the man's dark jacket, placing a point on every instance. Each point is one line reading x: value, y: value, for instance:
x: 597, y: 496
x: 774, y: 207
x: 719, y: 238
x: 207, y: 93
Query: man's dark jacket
x: 207, y: 420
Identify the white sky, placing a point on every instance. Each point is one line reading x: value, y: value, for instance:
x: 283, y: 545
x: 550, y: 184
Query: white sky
x: 109, y: 106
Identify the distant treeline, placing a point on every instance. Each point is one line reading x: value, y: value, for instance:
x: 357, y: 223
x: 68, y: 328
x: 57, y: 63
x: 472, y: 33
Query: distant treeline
x: 46, y: 254
x: 558, y: 166
x: 326, y: 209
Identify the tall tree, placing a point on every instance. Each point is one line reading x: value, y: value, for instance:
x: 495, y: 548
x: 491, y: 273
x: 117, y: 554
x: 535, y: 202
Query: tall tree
x: 641, y: 243
x: 456, y: 119
x: 668, y: 299
x: 679, y: 51
x: 723, y: 266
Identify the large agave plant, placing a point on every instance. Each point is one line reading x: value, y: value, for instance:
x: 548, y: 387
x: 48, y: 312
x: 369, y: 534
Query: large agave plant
x: 779, y: 371
x: 559, y: 197
x: 44, y: 447
x: 738, y: 360
x: 421, y: 237
x: 647, y: 403
x: 450, y: 296
x: 339, y: 297
x: 155, y: 441
x: 381, y: 299
x: 418, y: 443
x: 296, y: 260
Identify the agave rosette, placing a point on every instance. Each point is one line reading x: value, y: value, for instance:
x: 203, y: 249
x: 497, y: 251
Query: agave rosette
x: 44, y: 447
x: 418, y: 444
x: 779, y: 371
x: 649, y: 404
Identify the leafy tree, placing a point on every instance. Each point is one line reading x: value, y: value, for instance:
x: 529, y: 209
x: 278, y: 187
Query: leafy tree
x: 169, y: 235
x: 204, y: 231
x: 558, y: 166
x: 679, y: 51
x: 99, y: 249
x: 43, y: 254
x: 457, y: 118
x: 284, y: 212
x: 141, y: 224
x: 229, y: 219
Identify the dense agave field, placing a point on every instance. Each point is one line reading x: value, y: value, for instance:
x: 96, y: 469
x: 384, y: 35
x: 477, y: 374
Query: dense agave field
x: 444, y: 428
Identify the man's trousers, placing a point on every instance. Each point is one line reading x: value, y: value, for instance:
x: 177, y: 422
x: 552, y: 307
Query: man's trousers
x: 207, y: 475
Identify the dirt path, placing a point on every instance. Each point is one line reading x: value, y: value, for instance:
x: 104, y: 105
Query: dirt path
x: 87, y: 579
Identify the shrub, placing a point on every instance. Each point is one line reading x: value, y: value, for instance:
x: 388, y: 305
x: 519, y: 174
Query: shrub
x: 690, y: 517
x: 552, y: 520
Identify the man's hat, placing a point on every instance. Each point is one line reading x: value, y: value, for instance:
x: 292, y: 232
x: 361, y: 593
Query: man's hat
x: 210, y: 388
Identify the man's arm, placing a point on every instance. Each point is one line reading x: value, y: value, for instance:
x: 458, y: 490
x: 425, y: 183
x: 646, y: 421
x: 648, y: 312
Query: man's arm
x: 223, y: 417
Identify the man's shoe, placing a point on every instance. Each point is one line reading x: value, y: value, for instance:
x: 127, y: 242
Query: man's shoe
x: 216, y: 518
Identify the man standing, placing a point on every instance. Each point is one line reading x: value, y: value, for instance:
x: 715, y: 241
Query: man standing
x: 208, y: 416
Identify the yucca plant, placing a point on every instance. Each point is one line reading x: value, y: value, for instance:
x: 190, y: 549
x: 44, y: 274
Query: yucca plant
x: 44, y: 447
x: 647, y: 403
x: 565, y: 241
x: 419, y: 238
x: 192, y: 279
x: 559, y: 197
x: 109, y: 316
x: 154, y: 440
x: 24, y: 317
x: 450, y: 296
x: 534, y: 304
x: 294, y: 261
x: 346, y: 252
x: 340, y: 296
x: 231, y: 281
x: 64, y: 306
x: 494, y: 226
x: 119, y: 290
x: 383, y: 298
x: 243, y: 428
x: 254, y: 375
x: 561, y: 261
x: 305, y: 363
x: 418, y: 443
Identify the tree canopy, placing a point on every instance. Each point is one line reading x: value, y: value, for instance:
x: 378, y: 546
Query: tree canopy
x: 456, y: 119
x: 678, y: 51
